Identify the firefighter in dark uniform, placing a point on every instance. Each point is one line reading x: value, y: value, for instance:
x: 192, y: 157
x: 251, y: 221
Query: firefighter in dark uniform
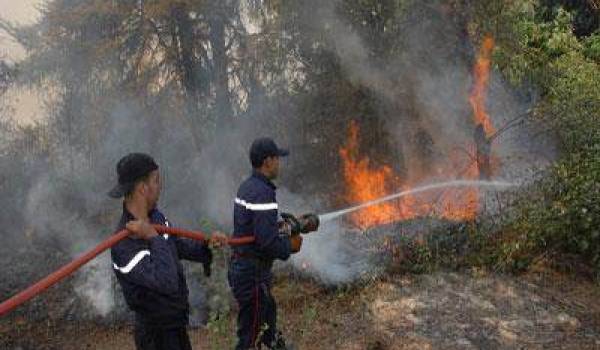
x: 147, y: 263
x: 250, y: 277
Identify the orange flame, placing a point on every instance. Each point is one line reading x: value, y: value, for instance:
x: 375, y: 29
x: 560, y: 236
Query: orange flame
x: 481, y: 76
x: 365, y: 182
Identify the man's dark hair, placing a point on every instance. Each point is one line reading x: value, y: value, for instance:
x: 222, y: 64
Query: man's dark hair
x: 132, y: 169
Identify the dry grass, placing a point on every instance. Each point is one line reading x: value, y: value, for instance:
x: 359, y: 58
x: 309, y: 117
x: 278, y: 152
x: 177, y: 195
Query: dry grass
x: 540, y: 310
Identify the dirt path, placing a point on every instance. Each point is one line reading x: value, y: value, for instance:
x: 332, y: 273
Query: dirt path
x: 438, y: 311
x: 460, y: 311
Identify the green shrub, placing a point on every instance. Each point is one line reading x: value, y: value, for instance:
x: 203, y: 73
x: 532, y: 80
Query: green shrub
x: 560, y: 213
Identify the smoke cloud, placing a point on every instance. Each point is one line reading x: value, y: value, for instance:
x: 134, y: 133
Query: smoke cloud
x: 423, y: 90
x: 67, y: 203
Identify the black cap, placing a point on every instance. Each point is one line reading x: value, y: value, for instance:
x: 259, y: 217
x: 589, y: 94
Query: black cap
x: 130, y: 169
x: 263, y: 148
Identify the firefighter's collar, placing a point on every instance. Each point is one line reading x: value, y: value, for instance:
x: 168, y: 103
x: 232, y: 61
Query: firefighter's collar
x: 263, y: 178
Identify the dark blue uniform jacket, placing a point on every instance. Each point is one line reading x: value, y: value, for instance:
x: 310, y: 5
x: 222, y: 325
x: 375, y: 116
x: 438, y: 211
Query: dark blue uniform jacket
x: 151, y: 275
x: 255, y: 214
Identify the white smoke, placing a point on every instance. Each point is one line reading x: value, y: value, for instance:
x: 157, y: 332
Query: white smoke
x: 200, y: 180
x: 330, y: 256
x: 94, y: 285
x: 436, y: 89
x: 57, y: 211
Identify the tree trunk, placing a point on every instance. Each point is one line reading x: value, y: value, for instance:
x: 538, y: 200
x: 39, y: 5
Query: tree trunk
x: 220, y: 76
x: 183, y: 42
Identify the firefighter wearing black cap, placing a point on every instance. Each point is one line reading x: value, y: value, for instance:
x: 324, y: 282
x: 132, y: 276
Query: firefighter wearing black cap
x: 250, y: 277
x: 147, y: 263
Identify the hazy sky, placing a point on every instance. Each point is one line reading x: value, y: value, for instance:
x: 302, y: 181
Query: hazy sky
x: 27, y: 104
x: 20, y: 11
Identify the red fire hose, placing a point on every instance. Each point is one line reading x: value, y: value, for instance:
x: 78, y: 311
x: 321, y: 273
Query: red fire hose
x: 58, y: 275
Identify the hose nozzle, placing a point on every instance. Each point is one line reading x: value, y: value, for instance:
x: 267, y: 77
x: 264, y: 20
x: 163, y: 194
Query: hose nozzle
x: 304, y: 224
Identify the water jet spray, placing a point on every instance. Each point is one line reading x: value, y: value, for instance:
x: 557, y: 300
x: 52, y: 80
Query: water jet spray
x: 455, y: 183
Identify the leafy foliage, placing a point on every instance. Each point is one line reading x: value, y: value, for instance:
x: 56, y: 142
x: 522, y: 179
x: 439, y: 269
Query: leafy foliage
x: 563, y: 212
